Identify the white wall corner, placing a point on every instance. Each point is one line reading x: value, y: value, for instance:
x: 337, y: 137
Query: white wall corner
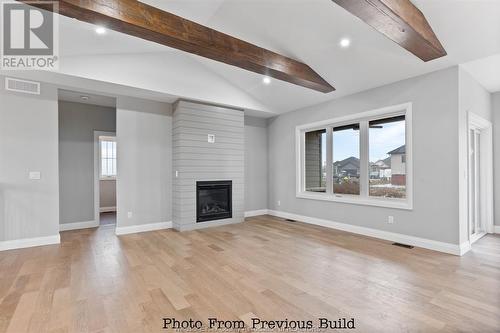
x: 259, y: 212
x: 429, y: 244
x: 465, y: 247
x: 29, y: 242
x: 78, y: 225
x: 133, y: 229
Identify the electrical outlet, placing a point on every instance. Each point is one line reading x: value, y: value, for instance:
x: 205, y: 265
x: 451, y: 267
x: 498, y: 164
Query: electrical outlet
x: 390, y: 220
x: 176, y: 174
x: 129, y: 215
x: 35, y: 175
x: 279, y: 203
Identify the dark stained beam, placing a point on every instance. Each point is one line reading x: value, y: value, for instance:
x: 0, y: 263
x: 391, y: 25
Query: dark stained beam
x: 141, y: 20
x: 400, y: 21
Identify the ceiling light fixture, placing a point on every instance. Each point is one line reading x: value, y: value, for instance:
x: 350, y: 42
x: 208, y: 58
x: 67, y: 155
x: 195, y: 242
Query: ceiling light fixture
x: 266, y: 80
x: 345, y: 43
x: 100, y: 30
x: 85, y: 98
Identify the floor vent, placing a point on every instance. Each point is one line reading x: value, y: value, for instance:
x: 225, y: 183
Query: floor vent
x: 22, y: 86
x: 290, y: 220
x: 403, y: 245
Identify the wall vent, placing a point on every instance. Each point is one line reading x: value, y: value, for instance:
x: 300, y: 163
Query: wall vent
x: 22, y: 86
x: 406, y: 246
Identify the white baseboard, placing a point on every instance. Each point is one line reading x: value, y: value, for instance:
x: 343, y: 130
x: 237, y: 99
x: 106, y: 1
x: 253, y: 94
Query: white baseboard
x: 107, y: 209
x: 256, y: 212
x: 29, y: 242
x: 133, y: 229
x: 385, y: 235
x: 78, y: 225
x: 496, y: 229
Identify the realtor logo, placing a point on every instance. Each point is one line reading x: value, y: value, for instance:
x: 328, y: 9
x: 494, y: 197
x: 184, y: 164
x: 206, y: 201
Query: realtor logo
x: 29, y: 35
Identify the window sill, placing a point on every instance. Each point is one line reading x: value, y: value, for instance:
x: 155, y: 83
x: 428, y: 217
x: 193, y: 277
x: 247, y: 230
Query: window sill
x: 348, y: 199
x: 107, y: 178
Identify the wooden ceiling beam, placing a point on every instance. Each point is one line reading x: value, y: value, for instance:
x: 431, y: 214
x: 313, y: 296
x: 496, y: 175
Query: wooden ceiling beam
x: 400, y: 21
x: 141, y: 20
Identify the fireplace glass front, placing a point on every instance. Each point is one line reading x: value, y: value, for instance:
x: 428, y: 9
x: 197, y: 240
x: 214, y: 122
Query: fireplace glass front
x: 213, y: 200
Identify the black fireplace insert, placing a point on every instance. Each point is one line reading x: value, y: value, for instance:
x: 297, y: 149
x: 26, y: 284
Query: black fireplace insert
x: 214, y: 200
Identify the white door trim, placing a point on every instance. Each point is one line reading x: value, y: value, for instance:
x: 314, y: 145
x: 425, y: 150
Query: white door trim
x: 476, y: 122
x: 97, y: 178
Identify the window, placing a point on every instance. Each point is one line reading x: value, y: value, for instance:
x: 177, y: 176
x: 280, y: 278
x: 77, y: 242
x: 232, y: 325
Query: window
x: 108, y: 157
x: 346, y: 163
x: 388, y: 152
x: 315, y: 161
x: 361, y: 159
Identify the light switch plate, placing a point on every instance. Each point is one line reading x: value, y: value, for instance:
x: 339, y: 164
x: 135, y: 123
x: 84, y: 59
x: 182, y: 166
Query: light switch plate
x: 211, y: 138
x: 35, y: 175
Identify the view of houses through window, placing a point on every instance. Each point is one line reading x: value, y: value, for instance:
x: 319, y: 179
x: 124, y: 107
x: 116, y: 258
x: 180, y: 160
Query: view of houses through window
x: 346, y: 165
x: 387, y: 159
x: 315, y: 157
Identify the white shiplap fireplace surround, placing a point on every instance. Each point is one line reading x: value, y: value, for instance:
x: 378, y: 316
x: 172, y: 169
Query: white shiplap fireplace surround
x: 197, y: 159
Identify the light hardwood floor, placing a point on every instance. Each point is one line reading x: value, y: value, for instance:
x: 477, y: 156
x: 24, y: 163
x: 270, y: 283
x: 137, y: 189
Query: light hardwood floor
x: 267, y: 268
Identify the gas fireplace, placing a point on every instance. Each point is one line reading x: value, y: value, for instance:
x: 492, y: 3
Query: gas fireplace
x: 213, y: 200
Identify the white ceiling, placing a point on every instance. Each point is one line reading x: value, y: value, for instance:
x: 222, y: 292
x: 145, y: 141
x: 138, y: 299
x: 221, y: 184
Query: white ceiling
x: 486, y: 71
x: 307, y: 30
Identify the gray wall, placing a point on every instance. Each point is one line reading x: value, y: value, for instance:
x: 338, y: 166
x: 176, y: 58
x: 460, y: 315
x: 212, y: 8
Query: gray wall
x: 196, y: 160
x: 496, y: 158
x: 255, y: 164
x: 144, y: 147
x: 435, y: 133
x: 77, y: 123
x: 475, y: 99
x: 28, y: 142
x: 107, y: 193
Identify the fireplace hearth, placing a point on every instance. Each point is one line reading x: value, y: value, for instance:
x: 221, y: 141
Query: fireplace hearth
x: 213, y: 200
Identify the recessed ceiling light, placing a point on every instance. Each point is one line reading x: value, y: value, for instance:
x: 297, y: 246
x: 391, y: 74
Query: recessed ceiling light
x: 345, y: 43
x: 100, y: 30
x: 266, y: 80
x: 85, y: 98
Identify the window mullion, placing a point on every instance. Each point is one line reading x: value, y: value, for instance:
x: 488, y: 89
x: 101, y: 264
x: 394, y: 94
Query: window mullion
x: 329, y: 160
x: 364, y: 158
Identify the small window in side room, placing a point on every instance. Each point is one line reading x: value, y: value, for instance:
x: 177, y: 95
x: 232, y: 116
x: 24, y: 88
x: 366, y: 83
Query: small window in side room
x: 108, y: 157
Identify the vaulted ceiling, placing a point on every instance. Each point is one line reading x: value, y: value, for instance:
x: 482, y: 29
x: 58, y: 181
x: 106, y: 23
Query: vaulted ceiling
x: 306, y: 30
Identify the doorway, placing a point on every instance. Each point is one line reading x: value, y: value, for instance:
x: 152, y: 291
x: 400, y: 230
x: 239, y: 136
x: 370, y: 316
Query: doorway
x: 480, y: 191
x: 105, y: 178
